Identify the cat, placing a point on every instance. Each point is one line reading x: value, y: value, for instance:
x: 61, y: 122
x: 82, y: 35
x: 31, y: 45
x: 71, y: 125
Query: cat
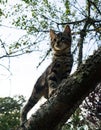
x: 57, y: 71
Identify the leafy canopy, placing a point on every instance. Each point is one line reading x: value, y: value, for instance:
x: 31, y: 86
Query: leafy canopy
x: 10, y: 112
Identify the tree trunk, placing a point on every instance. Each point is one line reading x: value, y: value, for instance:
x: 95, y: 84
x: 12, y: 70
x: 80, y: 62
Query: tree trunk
x: 68, y: 97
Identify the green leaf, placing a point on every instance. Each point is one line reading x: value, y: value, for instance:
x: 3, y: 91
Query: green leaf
x: 10, y: 112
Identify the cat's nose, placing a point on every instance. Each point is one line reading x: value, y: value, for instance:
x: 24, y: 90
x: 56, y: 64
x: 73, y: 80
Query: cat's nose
x: 58, y: 42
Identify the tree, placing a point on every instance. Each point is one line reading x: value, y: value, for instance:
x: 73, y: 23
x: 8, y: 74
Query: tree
x: 36, y: 20
x: 84, y: 20
x: 10, y: 112
x: 70, y: 94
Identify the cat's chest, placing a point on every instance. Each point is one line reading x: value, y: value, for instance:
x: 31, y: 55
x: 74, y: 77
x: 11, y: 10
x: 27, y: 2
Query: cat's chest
x: 59, y: 67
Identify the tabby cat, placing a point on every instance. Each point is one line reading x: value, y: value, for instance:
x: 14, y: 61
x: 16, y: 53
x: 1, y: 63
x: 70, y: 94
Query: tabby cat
x: 58, y: 70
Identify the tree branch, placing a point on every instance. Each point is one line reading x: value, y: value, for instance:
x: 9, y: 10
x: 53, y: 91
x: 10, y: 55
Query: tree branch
x: 80, y: 44
x: 69, y: 95
x: 93, y: 3
x: 44, y: 57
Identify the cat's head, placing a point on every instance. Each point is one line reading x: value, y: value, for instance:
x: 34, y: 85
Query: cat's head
x: 62, y: 40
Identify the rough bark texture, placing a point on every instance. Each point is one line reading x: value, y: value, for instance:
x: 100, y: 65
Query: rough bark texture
x: 69, y: 96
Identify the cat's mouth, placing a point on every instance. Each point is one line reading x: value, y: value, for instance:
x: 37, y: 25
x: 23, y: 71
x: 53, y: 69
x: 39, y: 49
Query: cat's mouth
x: 57, y: 48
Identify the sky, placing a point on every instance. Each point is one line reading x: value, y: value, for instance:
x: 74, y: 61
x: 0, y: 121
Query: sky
x: 24, y: 72
x: 23, y: 68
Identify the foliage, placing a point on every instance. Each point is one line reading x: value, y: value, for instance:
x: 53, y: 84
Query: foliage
x: 87, y: 116
x: 36, y: 18
x: 92, y: 109
x: 76, y: 122
x: 10, y: 112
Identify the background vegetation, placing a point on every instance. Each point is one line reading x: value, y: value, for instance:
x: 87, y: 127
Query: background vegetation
x: 36, y: 18
x: 10, y: 112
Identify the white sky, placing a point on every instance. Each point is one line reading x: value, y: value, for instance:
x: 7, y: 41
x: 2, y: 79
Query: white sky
x: 23, y: 69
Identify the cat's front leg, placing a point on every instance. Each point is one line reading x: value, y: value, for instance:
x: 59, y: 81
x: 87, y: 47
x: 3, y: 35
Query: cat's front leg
x: 52, y: 83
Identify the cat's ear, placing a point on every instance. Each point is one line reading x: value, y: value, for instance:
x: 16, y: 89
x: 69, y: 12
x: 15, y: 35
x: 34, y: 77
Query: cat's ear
x: 52, y: 34
x: 67, y: 30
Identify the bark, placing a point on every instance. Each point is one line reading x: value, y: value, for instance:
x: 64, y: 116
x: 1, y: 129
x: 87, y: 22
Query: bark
x: 80, y: 44
x: 68, y: 97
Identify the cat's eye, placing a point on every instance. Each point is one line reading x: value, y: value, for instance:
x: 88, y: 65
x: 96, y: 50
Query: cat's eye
x: 54, y: 39
x: 63, y: 39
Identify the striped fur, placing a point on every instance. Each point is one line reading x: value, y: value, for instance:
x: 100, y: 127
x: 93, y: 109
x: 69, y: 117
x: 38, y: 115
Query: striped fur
x: 58, y: 70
